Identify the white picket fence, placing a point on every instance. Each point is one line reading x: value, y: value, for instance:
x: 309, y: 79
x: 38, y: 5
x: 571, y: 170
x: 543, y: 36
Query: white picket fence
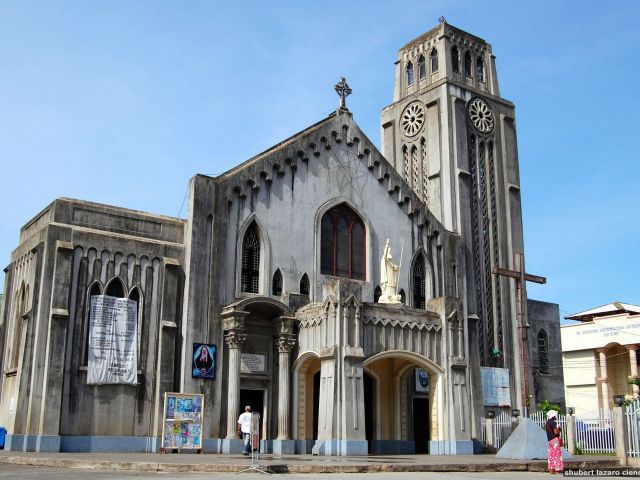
x: 502, y: 429
x: 632, y: 419
x: 593, y: 430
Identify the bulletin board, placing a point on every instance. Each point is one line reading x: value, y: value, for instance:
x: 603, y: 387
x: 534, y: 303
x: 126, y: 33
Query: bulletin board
x: 182, y: 422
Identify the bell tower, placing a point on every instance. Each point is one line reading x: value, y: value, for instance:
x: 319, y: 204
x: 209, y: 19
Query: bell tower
x: 452, y: 137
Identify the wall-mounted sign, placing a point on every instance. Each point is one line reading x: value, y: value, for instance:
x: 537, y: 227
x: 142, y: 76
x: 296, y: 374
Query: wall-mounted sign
x: 496, y: 387
x: 113, y: 341
x: 204, y: 361
x: 252, y: 363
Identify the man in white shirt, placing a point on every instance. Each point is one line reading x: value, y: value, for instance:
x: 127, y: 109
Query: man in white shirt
x: 244, y: 429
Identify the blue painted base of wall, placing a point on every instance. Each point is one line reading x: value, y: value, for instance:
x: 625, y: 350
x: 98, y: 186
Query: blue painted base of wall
x: 393, y: 447
x: 283, y: 447
x: 15, y: 443
x: 451, y: 447
x: 231, y: 446
x: 304, y: 446
x: 341, y: 447
x: 109, y: 444
x: 478, y: 446
x: 212, y: 445
x: 81, y: 444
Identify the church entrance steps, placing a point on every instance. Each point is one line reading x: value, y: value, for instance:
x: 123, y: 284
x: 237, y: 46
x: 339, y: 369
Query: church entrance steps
x: 150, y: 462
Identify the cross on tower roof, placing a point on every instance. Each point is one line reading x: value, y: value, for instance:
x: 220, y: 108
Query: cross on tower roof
x: 343, y: 90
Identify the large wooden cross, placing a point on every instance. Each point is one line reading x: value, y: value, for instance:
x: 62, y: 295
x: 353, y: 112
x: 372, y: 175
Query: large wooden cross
x: 521, y: 307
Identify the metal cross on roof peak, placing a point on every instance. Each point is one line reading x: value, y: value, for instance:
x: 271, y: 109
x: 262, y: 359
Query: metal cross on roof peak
x: 343, y: 90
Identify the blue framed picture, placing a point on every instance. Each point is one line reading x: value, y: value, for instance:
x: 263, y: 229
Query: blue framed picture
x: 422, y: 381
x: 204, y: 361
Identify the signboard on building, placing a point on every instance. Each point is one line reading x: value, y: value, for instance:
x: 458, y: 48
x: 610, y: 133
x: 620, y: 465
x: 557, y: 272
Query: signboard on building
x: 599, y: 333
x: 182, y: 421
x: 113, y: 341
x: 495, y: 387
x: 252, y: 363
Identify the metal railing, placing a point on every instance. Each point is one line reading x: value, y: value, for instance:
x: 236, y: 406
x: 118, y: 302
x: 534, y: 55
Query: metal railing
x: 502, y: 429
x: 632, y: 418
x: 593, y: 431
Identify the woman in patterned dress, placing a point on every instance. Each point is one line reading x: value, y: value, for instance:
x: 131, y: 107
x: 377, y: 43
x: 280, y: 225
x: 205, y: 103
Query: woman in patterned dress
x: 555, y: 452
x: 555, y: 443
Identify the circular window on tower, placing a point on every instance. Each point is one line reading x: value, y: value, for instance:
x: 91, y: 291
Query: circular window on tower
x: 412, y: 119
x: 481, y: 115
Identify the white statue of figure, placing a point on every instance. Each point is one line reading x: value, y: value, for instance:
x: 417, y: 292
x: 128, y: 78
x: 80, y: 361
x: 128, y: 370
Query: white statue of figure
x: 388, y: 277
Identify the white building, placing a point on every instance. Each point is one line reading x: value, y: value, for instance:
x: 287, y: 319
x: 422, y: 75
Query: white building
x: 599, y: 355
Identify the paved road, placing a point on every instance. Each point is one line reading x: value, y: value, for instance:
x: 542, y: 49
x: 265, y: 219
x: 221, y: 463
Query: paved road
x: 49, y: 473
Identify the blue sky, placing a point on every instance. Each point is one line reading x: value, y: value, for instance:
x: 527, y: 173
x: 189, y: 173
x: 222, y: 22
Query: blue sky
x: 121, y: 102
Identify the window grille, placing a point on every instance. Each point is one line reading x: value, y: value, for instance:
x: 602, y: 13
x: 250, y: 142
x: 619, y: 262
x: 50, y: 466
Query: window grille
x: 419, y: 283
x: 250, y: 261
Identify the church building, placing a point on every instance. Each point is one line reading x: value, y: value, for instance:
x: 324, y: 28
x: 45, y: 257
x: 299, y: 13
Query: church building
x: 348, y: 294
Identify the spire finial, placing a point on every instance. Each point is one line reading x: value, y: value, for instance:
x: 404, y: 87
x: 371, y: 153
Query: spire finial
x: 442, y: 20
x: 343, y: 90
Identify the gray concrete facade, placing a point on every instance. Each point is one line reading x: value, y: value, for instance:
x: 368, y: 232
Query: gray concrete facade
x: 279, y: 261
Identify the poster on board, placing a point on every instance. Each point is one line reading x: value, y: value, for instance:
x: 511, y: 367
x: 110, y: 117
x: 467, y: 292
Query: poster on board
x: 182, y: 421
x: 113, y: 341
x: 204, y: 361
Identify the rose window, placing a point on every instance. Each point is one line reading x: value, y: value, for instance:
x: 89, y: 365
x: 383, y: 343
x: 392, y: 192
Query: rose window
x: 481, y: 115
x: 412, y: 119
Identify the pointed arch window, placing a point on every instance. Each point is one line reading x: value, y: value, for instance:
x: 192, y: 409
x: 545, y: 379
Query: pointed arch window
x: 419, y: 282
x: 422, y: 67
x: 18, y: 325
x: 276, y: 284
x: 455, y: 59
x: 543, y: 351
x: 409, y: 73
x: 115, y: 288
x: 467, y: 64
x: 407, y: 167
x: 135, y: 295
x: 342, y: 243
x: 93, y: 290
x: 480, y: 69
x: 250, y: 274
x: 304, y: 285
x: 434, y: 60
x: 425, y: 170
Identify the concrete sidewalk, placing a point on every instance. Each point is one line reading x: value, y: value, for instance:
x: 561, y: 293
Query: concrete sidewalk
x: 190, y: 462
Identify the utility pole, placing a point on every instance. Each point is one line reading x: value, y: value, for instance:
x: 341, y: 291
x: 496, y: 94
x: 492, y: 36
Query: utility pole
x: 521, y: 307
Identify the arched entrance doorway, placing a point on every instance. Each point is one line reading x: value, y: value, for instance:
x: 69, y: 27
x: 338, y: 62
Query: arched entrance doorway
x: 403, y: 411
x: 306, y: 394
x: 259, y: 338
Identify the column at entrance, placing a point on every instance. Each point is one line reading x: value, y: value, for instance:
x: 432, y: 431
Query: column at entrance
x: 602, y: 352
x: 633, y: 363
x: 234, y: 338
x: 285, y: 341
